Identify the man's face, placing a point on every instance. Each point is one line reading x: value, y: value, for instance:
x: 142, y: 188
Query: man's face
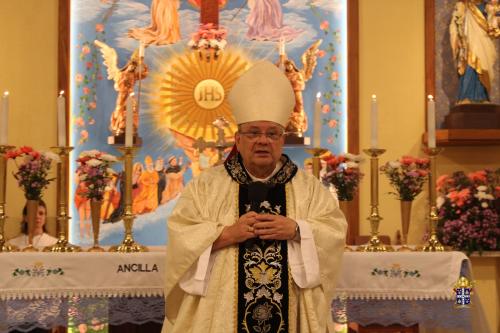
x: 260, y: 144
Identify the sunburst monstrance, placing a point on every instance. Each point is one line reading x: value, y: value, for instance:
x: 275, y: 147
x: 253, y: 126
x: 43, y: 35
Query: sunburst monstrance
x: 193, y: 92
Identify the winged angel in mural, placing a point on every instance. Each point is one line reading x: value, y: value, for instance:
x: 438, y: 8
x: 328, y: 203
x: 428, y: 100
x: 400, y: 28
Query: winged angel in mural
x: 298, y: 78
x: 125, y: 79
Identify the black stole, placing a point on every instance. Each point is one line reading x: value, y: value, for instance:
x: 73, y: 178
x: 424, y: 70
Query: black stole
x: 263, y: 276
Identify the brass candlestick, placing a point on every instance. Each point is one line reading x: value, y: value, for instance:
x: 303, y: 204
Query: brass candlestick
x: 62, y: 244
x: 316, y: 153
x: 374, y: 245
x: 4, y: 247
x: 433, y: 244
x: 128, y: 244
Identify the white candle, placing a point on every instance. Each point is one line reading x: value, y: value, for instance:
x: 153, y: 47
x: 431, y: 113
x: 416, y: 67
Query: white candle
x: 431, y: 122
x: 61, y: 119
x: 129, y: 120
x: 4, y: 118
x: 141, y: 50
x: 374, y: 120
x: 317, y: 122
x: 282, y: 46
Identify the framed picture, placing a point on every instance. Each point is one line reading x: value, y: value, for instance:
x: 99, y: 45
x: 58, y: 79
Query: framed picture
x: 462, y: 66
x: 179, y: 133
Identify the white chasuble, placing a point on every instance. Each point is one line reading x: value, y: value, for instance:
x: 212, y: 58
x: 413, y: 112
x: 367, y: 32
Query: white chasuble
x: 262, y: 293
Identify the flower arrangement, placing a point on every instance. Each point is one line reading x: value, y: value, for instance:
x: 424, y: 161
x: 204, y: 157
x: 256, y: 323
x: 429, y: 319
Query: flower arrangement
x: 469, y: 209
x: 95, y: 172
x: 32, y: 173
x: 344, y: 174
x: 407, y: 176
x: 208, y: 37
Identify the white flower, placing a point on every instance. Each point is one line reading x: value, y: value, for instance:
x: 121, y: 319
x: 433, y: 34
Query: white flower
x: 439, y: 202
x: 484, y: 196
x: 94, y: 162
x: 265, y: 204
x: 352, y: 157
x: 351, y: 164
x: 394, y: 164
x: 110, y: 171
x: 482, y: 188
x: 90, y: 153
x: 484, y: 204
x: 52, y: 156
x: 109, y: 158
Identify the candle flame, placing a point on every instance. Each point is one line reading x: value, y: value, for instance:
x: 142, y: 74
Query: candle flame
x: 374, y: 96
x: 5, y: 93
x: 318, y: 95
x: 61, y: 93
x: 430, y: 97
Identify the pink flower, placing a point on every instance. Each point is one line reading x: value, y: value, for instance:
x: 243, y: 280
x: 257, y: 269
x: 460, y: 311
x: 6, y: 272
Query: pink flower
x: 85, y: 49
x: 330, y: 140
x: 332, y: 123
x: 79, y: 122
x: 84, y: 135
x: 79, y: 78
x: 99, y: 27
x: 89, y: 64
x: 92, y: 105
x: 334, y: 76
x: 333, y: 58
x: 321, y: 53
x: 407, y: 160
x: 324, y: 25
x: 91, y: 121
x: 325, y: 108
x: 86, y: 90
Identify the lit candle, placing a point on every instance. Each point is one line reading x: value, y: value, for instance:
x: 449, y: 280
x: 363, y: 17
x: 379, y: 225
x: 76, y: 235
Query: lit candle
x: 4, y: 118
x: 374, y: 120
x: 317, y: 122
x: 61, y: 119
x: 431, y: 122
x: 129, y: 130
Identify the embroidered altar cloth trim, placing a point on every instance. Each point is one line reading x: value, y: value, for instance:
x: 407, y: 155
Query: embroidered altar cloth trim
x: 400, y: 275
x: 48, y: 275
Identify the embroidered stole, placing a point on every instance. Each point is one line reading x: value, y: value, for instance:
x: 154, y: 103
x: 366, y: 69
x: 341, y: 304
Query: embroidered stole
x: 263, y: 277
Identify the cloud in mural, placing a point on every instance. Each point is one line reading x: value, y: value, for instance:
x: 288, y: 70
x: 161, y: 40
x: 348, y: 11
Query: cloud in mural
x: 335, y: 6
x: 89, y: 10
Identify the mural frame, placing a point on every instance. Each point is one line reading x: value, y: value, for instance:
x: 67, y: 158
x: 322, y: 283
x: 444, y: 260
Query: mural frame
x: 64, y: 35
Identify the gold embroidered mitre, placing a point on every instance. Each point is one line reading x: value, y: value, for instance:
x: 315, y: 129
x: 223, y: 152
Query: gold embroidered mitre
x: 262, y: 93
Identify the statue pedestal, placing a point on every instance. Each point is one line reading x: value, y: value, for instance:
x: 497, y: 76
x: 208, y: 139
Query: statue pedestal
x: 473, y: 116
x: 120, y: 140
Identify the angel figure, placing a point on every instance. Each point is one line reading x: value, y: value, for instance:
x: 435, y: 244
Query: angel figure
x: 125, y: 79
x: 164, y: 28
x: 298, y: 78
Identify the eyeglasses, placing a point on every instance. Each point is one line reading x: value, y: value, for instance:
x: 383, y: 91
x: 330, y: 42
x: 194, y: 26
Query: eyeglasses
x: 254, y: 135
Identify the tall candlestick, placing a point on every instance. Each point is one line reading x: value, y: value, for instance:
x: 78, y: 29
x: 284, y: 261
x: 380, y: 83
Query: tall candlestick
x: 4, y: 118
x: 61, y: 119
x: 129, y: 130
x: 374, y: 120
x: 317, y: 122
x: 431, y: 122
x: 282, y: 46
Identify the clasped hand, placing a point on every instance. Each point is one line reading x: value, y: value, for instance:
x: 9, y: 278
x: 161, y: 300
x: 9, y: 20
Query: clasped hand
x: 263, y: 226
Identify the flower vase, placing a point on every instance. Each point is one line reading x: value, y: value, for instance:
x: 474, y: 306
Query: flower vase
x: 344, y: 207
x: 405, y: 223
x: 95, y: 215
x: 31, y: 213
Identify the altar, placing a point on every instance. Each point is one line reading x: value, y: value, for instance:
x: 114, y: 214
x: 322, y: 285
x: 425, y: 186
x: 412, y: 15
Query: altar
x: 46, y: 289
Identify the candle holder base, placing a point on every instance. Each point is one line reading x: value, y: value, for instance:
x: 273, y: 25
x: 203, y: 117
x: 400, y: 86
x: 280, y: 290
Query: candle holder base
x: 5, y: 247
x: 29, y: 248
x: 433, y: 245
x: 128, y: 246
x: 405, y: 248
x: 375, y: 245
x: 61, y: 246
x: 96, y: 248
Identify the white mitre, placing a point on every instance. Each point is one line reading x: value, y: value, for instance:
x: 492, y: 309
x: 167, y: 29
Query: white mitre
x: 262, y: 93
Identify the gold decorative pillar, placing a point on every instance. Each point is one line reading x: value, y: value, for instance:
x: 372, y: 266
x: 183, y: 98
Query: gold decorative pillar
x: 4, y: 247
x: 374, y: 245
x: 433, y: 244
x: 128, y: 244
x: 316, y: 153
x: 62, y: 244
